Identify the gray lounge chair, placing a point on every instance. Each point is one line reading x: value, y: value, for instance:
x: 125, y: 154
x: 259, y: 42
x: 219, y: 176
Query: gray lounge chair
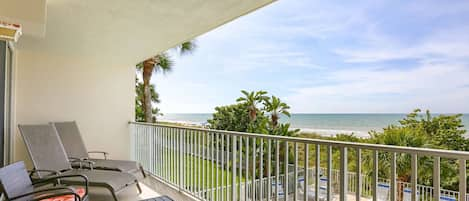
x: 16, y: 185
x: 47, y: 153
x: 76, y: 149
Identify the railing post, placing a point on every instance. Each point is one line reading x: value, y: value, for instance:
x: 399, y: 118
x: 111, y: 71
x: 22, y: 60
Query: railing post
x: 132, y: 141
x: 375, y: 175
x: 343, y: 173
x: 358, y: 174
x: 306, y: 166
x: 246, y: 143
x: 213, y: 165
x: 295, y: 170
x: 222, y: 166
x: 462, y: 180
x: 277, y: 168
x: 318, y: 167
x: 286, y: 171
x: 394, y: 177
x: 329, y: 172
x: 261, y: 169
x: 233, y: 168
x: 180, y: 141
x: 240, y: 166
x: 217, y: 194
x: 152, y: 147
x: 436, y: 178
x: 199, y: 159
x: 269, y: 173
x: 414, y: 175
x: 253, y: 181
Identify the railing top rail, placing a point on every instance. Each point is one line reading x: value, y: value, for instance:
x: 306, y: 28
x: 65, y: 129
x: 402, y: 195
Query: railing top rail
x: 379, y: 147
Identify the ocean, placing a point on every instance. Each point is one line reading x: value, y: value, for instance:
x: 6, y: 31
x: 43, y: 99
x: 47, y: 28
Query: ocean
x: 324, y: 124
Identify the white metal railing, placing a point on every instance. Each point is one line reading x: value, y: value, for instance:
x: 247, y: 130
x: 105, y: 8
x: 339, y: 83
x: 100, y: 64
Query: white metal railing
x: 225, y: 165
x: 425, y: 192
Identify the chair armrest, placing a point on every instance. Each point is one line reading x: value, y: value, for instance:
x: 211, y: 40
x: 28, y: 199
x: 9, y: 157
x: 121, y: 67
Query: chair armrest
x: 71, y: 159
x: 49, y: 194
x: 56, y: 179
x: 53, y: 172
x: 105, y: 154
x: 81, y: 161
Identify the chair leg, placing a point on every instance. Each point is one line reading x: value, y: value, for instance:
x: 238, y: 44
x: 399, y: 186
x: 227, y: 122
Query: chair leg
x: 143, y: 172
x: 139, y: 188
x: 113, y: 195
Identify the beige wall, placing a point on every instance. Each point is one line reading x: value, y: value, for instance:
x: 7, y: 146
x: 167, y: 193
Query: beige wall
x: 99, y: 95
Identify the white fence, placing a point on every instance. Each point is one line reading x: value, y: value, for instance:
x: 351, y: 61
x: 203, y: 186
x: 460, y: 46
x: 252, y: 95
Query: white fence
x: 224, y: 165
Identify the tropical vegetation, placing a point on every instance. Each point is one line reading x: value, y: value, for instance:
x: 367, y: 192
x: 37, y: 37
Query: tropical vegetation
x: 159, y: 63
x: 254, y: 112
x: 140, y: 101
x: 417, y: 129
x: 259, y: 113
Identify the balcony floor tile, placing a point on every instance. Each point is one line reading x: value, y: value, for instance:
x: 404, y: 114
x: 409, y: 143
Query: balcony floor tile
x: 129, y: 194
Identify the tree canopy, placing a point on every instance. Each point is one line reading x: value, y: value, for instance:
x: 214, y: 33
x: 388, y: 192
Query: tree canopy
x: 255, y: 112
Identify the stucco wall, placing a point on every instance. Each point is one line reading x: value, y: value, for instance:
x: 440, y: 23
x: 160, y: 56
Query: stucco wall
x: 98, y: 95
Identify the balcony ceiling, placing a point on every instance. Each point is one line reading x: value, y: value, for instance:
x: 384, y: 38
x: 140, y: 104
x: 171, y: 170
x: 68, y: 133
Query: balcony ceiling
x: 120, y: 31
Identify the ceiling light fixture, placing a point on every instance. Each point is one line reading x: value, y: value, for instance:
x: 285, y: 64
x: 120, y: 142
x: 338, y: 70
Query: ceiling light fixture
x: 10, y: 32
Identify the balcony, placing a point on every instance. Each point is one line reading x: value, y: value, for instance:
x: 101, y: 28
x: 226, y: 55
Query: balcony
x: 221, y: 165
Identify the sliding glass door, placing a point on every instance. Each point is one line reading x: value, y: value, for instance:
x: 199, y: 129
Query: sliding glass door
x: 6, y: 67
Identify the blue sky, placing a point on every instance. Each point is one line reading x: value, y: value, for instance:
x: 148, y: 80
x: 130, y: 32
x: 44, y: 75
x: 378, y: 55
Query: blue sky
x: 331, y: 57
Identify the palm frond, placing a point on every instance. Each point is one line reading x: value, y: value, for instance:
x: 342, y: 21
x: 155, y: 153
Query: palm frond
x: 240, y: 99
x: 245, y: 92
x: 139, y: 66
x: 186, y: 47
x: 163, y: 63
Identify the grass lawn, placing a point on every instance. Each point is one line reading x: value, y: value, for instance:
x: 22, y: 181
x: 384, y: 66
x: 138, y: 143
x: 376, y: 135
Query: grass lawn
x: 198, y: 172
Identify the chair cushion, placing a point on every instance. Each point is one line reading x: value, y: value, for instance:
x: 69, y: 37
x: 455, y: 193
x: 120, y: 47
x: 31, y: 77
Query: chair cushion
x: 79, y: 191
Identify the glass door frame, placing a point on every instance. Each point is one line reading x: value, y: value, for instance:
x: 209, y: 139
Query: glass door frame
x: 7, y: 92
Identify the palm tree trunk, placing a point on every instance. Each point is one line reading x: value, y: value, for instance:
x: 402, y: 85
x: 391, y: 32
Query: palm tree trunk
x: 147, y: 73
x: 252, y: 113
x: 274, y: 120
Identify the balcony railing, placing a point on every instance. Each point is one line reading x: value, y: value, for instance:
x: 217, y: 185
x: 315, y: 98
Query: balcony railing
x: 224, y: 165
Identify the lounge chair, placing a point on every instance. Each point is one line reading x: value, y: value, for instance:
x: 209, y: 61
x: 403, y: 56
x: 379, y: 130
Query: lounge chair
x: 76, y: 149
x: 47, y: 153
x: 16, y: 185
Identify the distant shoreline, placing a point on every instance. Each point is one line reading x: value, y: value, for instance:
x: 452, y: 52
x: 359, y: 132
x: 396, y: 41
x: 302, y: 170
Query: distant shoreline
x: 332, y: 132
x: 327, y: 125
x: 304, y: 131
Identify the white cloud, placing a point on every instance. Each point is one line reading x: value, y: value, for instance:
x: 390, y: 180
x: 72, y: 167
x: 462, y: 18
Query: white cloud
x: 448, y: 44
x: 440, y: 87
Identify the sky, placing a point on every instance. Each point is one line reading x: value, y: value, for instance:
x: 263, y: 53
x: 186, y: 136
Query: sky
x: 331, y: 57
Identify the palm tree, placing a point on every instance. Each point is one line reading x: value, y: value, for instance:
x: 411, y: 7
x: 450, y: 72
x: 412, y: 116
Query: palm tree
x: 139, y: 101
x: 251, y: 99
x: 276, y: 107
x: 159, y: 63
